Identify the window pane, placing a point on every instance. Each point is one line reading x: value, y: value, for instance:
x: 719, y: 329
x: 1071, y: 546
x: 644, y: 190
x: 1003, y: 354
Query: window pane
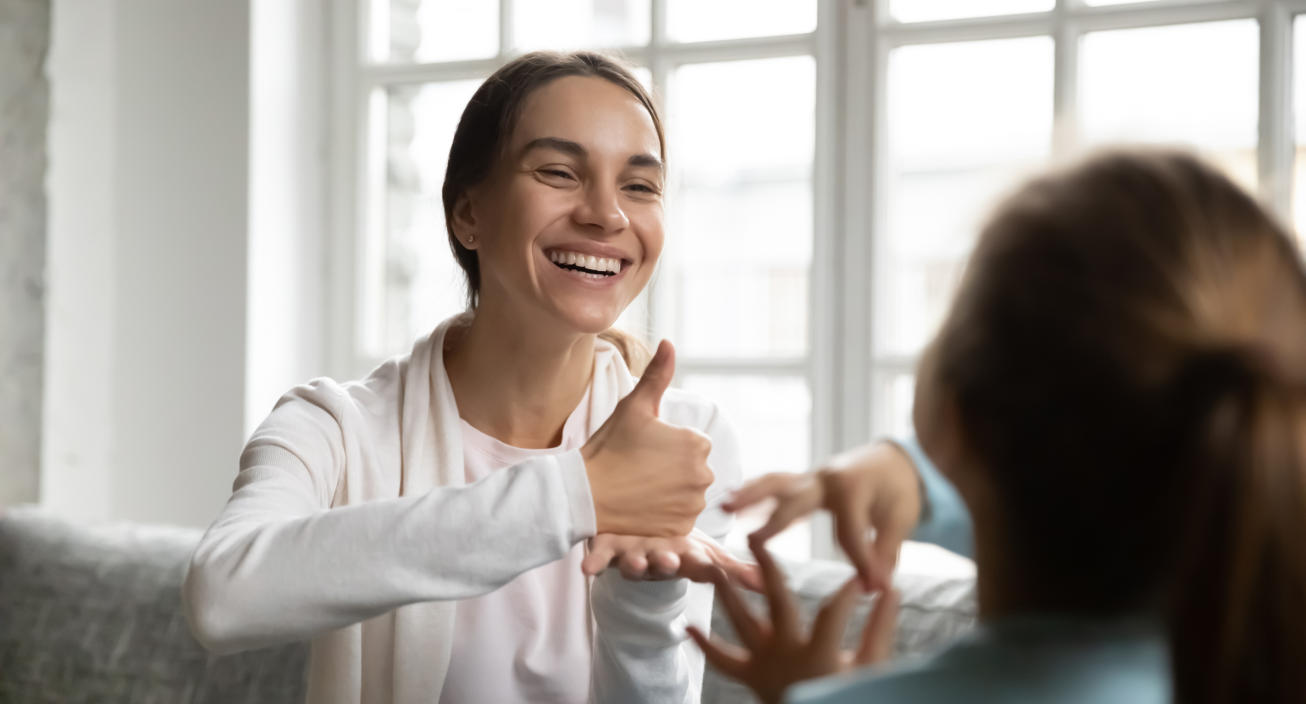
x: 926, y: 10
x: 418, y: 283
x: 734, y: 275
x: 707, y: 20
x: 966, y: 121
x: 573, y: 24
x: 434, y: 30
x: 1193, y: 85
x: 1299, y: 108
x: 773, y: 417
x: 896, y: 393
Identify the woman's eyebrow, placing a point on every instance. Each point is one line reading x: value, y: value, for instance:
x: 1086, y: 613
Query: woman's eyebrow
x: 578, y: 150
x: 557, y: 144
x: 645, y: 160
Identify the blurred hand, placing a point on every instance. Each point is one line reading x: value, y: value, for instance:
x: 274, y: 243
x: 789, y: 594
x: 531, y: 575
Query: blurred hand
x: 696, y: 557
x: 647, y: 477
x: 874, y: 486
x: 775, y: 655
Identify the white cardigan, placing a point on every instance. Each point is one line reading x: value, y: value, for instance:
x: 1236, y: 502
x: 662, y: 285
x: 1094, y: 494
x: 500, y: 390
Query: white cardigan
x: 351, y: 524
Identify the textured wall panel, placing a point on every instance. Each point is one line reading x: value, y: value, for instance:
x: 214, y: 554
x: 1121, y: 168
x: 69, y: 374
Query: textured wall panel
x: 24, y: 109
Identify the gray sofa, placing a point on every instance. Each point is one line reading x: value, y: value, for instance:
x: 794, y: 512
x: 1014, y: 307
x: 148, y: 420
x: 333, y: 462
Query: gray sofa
x: 93, y: 614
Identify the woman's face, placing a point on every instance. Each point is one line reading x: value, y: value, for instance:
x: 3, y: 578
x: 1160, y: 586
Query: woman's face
x: 571, y: 223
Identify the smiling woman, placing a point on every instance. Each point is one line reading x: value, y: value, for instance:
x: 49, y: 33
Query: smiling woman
x: 443, y: 529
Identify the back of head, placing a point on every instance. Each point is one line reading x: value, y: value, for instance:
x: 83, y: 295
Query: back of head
x: 1127, y: 355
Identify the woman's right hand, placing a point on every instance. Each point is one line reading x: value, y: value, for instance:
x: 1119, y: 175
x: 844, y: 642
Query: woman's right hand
x: 647, y: 477
x: 874, y: 486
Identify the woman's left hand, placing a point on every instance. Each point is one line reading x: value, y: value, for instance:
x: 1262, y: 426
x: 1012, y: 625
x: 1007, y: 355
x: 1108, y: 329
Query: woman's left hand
x: 696, y: 557
x: 776, y: 655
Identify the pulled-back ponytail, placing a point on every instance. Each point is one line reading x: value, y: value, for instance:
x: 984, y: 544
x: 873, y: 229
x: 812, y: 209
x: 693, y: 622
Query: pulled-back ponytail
x: 1237, y: 605
x: 1128, y: 358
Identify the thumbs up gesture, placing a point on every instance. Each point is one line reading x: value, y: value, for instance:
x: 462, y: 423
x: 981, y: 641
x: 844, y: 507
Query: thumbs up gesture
x: 647, y: 477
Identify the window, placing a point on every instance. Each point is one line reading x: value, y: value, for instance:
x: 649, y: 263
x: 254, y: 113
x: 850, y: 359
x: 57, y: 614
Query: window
x: 980, y: 93
x: 889, y: 128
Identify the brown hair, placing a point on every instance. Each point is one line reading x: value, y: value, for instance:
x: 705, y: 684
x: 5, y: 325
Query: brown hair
x: 1126, y: 354
x: 486, y: 127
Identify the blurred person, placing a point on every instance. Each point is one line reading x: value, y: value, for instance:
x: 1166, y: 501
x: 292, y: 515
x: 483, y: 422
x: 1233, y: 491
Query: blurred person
x: 1118, y: 396
x: 428, y: 526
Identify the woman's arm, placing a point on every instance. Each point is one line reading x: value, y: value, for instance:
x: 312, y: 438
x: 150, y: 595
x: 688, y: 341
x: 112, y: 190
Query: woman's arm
x: 945, y: 520
x: 277, y: 565
x: 641, y: 653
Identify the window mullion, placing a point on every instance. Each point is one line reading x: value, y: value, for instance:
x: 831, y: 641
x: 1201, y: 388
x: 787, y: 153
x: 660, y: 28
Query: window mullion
x: 1065, y: 90
x: 1275, y: 142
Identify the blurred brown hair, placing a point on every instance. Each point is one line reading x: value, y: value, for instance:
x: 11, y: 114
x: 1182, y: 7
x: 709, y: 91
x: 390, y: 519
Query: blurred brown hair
x: 486, y: 127
x: 1127, y: 355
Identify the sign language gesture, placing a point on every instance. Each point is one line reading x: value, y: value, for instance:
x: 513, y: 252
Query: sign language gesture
x: 874, y: 486
x: 776, y: 654
x: 696, y: 557
x: 647, y: 477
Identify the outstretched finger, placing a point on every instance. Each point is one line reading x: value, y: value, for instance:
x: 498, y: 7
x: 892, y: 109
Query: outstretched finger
x: 633, y: 565
x: 881, y: 629
x: 599, y: 558
x: 850, y: 528
x: 663, y: 564
x: 767, y: 486
x: 828, y: 627
x: 889, y: 538
x: 727, y: 658
x: 750, y: 632
x: 790, y: 508
x: 784, y: 615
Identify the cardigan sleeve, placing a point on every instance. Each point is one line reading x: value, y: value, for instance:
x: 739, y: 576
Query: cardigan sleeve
x: 279, y: 564
x: 641, y: 651
x: 946, y: 520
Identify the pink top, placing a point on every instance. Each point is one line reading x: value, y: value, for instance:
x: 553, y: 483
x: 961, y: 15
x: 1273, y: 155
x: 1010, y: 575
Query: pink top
x: 528, y: 641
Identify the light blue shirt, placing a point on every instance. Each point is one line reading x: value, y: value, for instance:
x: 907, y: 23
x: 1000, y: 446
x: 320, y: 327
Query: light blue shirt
x: 1044, y: 659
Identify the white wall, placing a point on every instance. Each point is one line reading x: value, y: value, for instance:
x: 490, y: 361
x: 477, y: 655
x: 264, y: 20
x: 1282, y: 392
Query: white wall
x: 24, y: 101
x: 145, y: 374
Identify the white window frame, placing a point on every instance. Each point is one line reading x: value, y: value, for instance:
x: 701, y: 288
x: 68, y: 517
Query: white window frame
x: 851, y: 46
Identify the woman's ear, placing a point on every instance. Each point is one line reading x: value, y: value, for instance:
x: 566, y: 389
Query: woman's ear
x: 464, y: 222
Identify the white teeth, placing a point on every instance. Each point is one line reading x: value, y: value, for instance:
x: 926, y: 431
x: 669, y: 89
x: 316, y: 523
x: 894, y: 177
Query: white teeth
x: 599, y: 264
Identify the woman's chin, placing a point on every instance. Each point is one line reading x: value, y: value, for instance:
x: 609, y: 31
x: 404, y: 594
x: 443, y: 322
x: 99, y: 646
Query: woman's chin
x: 589, y: 321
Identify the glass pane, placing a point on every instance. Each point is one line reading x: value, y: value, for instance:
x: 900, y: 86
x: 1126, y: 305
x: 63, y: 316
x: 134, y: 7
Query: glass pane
x: 418, y: 282
x: 926, y: 10
x: 1299, y: 108
x: 966, y: 122
x: 734, y: 275
x: 708, y: 20
x: 434, y: 30
x: 896, y: 394
x: 1193, y: 85
x: 773, y: 417
x: 575, y: 24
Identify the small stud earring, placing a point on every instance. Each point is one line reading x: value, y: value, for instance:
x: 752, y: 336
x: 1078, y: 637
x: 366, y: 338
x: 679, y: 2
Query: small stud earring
x: 471, y: 239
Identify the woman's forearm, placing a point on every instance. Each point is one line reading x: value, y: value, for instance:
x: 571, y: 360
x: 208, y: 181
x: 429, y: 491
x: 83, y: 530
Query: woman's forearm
x: 276, y: 566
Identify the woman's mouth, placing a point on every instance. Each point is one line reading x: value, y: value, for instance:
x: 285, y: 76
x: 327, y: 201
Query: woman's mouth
x: 586, y: 264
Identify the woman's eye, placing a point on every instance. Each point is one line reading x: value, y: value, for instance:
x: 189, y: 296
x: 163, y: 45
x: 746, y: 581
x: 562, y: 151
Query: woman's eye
x: 555, y: 173
x: 642, y: 188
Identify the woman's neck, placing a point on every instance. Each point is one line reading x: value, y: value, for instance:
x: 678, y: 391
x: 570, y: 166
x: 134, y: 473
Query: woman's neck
x: 518, y: 380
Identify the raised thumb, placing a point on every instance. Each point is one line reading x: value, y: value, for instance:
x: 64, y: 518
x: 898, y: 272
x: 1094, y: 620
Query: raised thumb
x: 657, y: 377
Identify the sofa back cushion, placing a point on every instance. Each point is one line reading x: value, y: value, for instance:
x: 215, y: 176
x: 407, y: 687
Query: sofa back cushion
x: 95, y: 615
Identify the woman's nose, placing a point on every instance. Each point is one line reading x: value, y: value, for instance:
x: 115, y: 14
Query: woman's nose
x: 602, y: 208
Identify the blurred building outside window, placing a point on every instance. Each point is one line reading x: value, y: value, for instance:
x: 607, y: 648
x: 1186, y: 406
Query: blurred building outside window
x: 831, y: 162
